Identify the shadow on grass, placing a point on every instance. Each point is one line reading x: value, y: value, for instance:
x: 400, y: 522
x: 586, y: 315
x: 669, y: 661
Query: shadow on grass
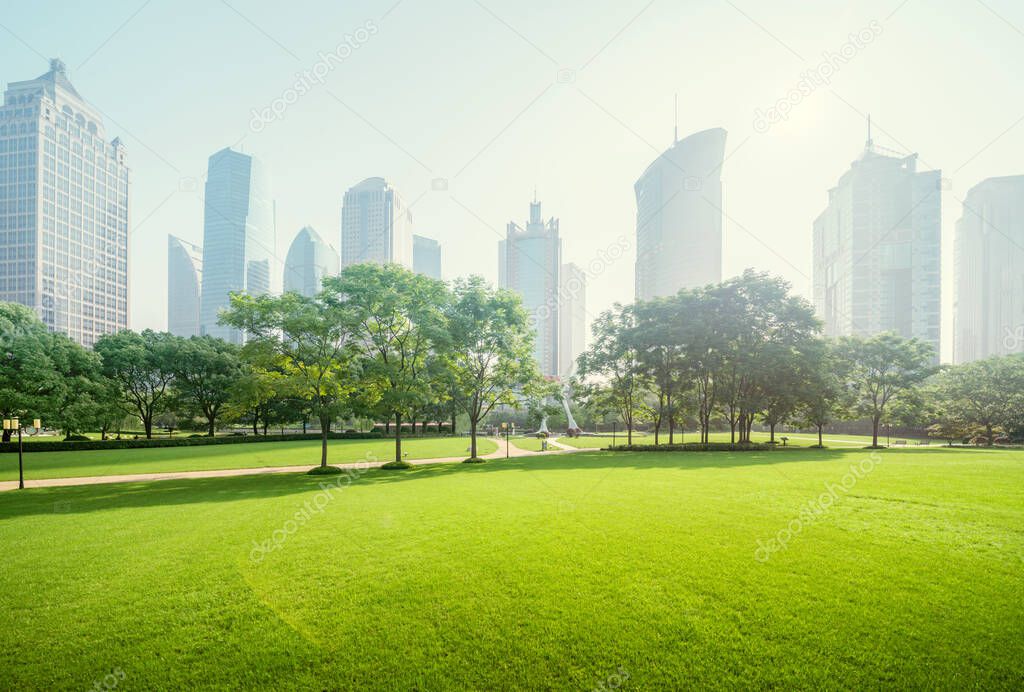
x: 110, y: 496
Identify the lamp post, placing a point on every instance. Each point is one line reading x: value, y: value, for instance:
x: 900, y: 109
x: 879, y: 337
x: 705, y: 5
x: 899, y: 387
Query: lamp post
x: 504, y: 426
x: 15, y: 424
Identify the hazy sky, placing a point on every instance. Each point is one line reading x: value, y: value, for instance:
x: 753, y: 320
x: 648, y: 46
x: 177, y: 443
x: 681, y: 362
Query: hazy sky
x: 500, y: 96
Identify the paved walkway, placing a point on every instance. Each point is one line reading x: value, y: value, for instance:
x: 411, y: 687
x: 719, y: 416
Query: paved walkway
x: 513, y: 451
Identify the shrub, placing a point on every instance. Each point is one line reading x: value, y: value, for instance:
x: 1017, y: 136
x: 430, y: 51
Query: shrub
x: 75, y: 438
x: 324, y: 471
x: 473, y: 460
x: 127, y: 443
x: 393, y: 465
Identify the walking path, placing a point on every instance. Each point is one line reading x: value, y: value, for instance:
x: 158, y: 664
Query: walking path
x: 500, y: 453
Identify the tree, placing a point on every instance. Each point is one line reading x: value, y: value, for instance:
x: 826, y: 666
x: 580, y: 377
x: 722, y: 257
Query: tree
x: 881, y: 370
x: 142, y: 366
x: 611, y: 368
x: 399, y: 322
x: 822, y: 397
x: 659, y: 339
x: 988, y: 394
x: 26, y: 372
x: 79, y: 398
x: 308, y: 340
x: 252, y: 395
x: 205, y: 372
x: 491, y: 349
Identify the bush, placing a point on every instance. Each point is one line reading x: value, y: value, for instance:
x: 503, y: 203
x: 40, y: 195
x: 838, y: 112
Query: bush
x: 76, y: 438
x: 397, y: 465
x: 473, y: 460
x: 699, y: 447
x: 324, y: 471
x: 87, y: 444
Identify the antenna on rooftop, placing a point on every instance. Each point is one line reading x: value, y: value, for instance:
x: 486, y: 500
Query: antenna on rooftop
x: 675, y: 129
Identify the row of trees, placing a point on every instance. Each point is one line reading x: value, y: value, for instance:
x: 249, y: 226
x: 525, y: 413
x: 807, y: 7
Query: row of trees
x: 385, y: 344
x: 742, y: 351
x: 379, y: 343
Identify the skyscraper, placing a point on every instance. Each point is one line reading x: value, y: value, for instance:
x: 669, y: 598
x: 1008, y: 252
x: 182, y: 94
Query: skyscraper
x: 572, y: 311
x: 988, y: 313
x: 529, y: 263
x: 375, y: 225
x: 877, y: 250
x: 63, y: 209
x: 309, y: 260
x: 238, y: 237
x: 679, y: 217
x: 426, y: 256
x: 184, y: 286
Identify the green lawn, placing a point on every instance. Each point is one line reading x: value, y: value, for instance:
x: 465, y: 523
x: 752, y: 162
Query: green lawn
x: 529, y: 444
x: 551, y: 572
x: 105, y: 462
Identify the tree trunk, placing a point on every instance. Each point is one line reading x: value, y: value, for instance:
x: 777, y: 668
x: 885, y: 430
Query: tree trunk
x: 874, y: 431
x: 771, y: 426
x: 453, y: 424
x: 472, y: 438
x: 398, y: 437
x: 820, y: 444
x: 324, y: 427
x: 387, y: 427
x: 210, y: 426
x: 989, y: 435
x: 629, y: 432
x: 255, y: 423
x: 147, y: 424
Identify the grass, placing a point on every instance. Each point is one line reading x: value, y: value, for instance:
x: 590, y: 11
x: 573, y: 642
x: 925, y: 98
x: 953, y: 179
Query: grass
x: 542, y: 572
x: 105, y: 462
x: 527, y: 444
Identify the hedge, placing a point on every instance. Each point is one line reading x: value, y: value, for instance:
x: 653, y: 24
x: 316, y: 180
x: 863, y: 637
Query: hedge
x: 62, y: 446
x: 700, y: 447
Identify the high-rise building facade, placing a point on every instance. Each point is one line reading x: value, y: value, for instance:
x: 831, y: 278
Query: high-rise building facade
x: 309, y: 260
x: 572, y: 312
x: 529, y: 263
x: 64, y: 209
x: 184, y: 286
x: 877, y: 250
x: 679, y: 217
x: 426, y: 256
x: 988, y: 313
x: 376, y: 226
x: 239, y: 252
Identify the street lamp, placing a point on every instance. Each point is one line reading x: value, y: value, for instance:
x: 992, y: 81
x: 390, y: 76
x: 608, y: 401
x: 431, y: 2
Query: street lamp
x: 15, y: 424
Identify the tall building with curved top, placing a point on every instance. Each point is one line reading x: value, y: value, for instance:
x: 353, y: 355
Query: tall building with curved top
x: 184, y: 286
x: 64, y: 209
x: 679, y: 217
x: 988, y: 307
x: 309, y: 260
x: 376, y: 226
x: 238, y: 237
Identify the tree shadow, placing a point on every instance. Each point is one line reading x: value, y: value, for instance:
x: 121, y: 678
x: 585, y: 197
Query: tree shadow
x: 107, y: 496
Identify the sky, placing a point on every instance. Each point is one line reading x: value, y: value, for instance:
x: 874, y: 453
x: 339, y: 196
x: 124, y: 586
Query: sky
x: 469, y: 106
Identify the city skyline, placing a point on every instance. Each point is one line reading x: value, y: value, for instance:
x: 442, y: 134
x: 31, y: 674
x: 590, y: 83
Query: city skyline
x: 579, y: 134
